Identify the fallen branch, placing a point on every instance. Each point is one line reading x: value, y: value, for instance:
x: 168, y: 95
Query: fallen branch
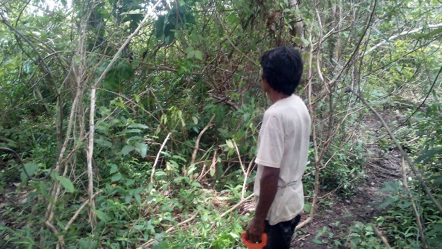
x: 150, y: 242
x: 231, y: 209
x: 236, y: 205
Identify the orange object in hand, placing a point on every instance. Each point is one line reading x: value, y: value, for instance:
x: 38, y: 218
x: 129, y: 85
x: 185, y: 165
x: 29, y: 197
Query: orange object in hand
x: 251, y: 245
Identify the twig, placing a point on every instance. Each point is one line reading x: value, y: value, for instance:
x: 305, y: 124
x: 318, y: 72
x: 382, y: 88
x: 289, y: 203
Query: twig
x: 203, y: 171
x: 413, y: 204
x: 197, y: 143
x: 239, y: 157
x: 54, y: 230
x: 79, y: 210
x: 150, y: 242
x: 231, y: 209
x: 158, y: 156
x: 376, y: 230
x: 246, y: 176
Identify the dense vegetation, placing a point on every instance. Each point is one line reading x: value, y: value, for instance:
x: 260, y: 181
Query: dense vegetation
x: 131, y: 123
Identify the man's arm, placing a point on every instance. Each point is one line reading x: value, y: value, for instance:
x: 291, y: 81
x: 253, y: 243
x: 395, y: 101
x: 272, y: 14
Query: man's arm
x: 269, y: 187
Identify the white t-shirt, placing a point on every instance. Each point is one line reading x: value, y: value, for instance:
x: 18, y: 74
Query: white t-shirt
x: 283, y: 143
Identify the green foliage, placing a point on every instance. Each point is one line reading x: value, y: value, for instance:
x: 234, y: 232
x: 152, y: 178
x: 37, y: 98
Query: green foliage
x: 345, y: 171
x: 177, y: 18
x: 194, y: 60
x: 398, y: 208
x: 362, y: 236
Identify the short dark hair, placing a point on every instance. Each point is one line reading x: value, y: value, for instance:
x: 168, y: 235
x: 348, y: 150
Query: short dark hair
x: 282, y: 68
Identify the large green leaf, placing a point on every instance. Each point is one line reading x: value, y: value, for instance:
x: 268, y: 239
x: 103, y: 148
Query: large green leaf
x: 127, y: 149
x: 66, y: 183
x: 142, y: 148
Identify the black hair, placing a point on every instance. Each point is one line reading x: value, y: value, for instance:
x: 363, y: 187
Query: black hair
x: 282, y: 68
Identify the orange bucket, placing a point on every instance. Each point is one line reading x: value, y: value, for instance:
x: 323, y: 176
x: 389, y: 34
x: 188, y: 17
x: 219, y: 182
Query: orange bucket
x: 251, y: 245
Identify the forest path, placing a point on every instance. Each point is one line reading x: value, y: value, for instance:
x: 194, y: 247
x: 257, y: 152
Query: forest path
x: 336, y: 214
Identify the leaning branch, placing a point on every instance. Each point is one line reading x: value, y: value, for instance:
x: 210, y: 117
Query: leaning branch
x: 434, y: 26
x: 379, y: 233
x: 79, y: 210
x: 197, y: 142
x: 149, y: 243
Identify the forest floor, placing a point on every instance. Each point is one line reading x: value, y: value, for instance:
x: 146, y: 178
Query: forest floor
x: 336, y: 214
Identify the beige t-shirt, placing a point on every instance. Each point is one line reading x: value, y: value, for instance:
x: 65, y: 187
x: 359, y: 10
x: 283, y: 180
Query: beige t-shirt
x: 283, y: 143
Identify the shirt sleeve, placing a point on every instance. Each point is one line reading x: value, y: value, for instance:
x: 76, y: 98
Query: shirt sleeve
x: 270, y: 142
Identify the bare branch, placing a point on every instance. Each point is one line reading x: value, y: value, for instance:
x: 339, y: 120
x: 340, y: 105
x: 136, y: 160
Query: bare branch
x: 431, y: 26
x: 156, y: 159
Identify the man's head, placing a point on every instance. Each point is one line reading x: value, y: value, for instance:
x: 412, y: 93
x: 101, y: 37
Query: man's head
x: 282, y: 69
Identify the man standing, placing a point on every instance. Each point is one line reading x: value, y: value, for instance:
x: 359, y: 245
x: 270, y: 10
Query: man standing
x: 283, y: 146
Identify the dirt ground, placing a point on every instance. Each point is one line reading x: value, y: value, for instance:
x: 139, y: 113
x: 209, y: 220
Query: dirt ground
x: 338, y: 214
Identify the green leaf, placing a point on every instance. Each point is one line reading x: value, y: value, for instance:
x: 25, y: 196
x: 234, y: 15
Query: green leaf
x: 120, y: 104
x: 234, y: 235
x: 230, y: 144
x: 390, y: 187
x: 142, y: 148
x: 195, y: 120
x: 138, y: 227
x: 428, y: 155
x: 307, y: 207
x: 128, y: 198
x: 138, y: 126
x: 127, y: 149
x: 116, y: 177
x: 31, y: 168
x: 134, y: 138
x: 103, y: 143
x: 102, y: 215
x: 66, y: 183
x: 133, y: 131
x: 137, y: 198
x: 316, y: 241
x: 198, y: 54
x: 114, y: 168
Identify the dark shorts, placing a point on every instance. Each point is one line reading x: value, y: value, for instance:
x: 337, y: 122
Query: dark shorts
x: 280, y: 235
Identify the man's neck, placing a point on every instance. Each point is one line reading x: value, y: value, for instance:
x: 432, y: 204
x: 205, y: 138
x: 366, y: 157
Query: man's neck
x: 275, y: 96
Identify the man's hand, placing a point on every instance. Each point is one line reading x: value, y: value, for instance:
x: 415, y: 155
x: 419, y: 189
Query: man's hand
x: 255, y: 230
